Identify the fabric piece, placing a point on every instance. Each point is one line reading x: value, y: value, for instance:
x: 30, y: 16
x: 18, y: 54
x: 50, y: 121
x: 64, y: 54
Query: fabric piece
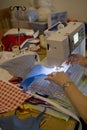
x: 14, y: 123
x: 22, y: 64
x: 11, y: 96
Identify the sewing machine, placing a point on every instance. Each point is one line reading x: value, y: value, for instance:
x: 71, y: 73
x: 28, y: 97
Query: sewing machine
x: 63, y: 42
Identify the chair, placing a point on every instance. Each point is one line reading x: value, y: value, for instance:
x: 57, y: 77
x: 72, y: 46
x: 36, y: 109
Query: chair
x: 5, y: 18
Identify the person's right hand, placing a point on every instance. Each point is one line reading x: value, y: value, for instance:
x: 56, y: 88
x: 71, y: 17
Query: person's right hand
x: 59, y: 78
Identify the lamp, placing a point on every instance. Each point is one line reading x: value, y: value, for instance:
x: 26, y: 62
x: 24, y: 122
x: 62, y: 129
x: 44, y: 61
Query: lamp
x: 18, y: 8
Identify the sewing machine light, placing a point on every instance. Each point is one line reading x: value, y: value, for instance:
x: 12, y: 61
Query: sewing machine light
x: 64, y: 67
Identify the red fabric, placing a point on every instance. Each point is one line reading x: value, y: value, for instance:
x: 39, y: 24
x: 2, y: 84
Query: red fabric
x: 11, y: 96
x: 12, y: 40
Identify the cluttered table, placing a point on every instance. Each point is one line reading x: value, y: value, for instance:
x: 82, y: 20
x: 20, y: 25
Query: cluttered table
x: 49, y: 121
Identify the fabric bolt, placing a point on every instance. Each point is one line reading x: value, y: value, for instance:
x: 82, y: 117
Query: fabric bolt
x: 11, y: 96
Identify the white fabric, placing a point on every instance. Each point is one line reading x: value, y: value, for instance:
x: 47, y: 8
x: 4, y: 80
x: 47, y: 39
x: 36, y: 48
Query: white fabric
x: 22, y: 30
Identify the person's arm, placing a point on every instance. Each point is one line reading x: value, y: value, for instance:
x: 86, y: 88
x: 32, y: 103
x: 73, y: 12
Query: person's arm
x: 77, y: 59
x: 78, y: 100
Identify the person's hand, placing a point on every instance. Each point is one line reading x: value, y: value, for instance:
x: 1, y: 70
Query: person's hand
x: 76, y: 59
x: 59, y: 78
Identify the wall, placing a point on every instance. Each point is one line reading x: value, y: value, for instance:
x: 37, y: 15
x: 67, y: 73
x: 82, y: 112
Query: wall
x: 7, y: 3
x: 77, y: 9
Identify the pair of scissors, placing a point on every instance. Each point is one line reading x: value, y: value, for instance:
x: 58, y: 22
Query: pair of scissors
x: 35, y: 101
x: 15, y: 80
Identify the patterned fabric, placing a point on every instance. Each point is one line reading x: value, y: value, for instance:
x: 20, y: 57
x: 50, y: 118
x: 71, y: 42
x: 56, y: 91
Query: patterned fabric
x: 11, y: 96
x: 14, y: 123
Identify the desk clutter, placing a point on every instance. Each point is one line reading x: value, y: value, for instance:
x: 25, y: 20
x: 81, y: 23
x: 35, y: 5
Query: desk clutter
x: 22, y: 96
x: 26, y: 38
x: 33, y: 72
x: 22, y: 92
x: 12, y: 97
